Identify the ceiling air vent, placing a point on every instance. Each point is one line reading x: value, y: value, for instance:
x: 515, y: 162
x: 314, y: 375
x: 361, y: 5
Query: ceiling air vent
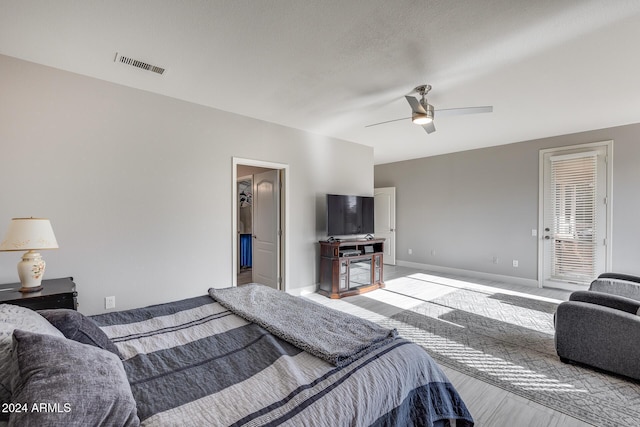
x: 138, y: 64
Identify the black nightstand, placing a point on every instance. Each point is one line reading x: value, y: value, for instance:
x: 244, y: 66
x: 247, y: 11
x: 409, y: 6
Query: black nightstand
x: 55, y: 293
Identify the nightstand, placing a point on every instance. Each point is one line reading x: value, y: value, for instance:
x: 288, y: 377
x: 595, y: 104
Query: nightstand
x: 55, y: 293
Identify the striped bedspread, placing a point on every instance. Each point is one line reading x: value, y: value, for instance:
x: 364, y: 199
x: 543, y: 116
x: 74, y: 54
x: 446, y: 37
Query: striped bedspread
x: 194, y: 363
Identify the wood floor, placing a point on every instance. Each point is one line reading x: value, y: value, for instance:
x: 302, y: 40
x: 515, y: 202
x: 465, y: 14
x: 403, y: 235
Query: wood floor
x: 245, y: 276
x: 490, y: 406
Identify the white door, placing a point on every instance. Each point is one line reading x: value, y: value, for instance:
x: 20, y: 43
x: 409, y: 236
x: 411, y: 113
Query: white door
x: 385, y: 221
x: 576, y: 219
x: 266, y: 228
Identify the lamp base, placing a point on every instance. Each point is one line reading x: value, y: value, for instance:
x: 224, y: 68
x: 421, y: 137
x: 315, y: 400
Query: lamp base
x: 30, y: 271
x: 32, y: 289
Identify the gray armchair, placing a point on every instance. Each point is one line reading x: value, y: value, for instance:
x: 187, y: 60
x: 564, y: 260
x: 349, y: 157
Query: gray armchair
x: 623, y: 285
x: 601, y: 327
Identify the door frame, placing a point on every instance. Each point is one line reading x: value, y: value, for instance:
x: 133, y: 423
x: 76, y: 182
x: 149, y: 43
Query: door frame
x: 238, y: 179
x: 284, y: 213
x: 608, y: 145
x: 390, y: 244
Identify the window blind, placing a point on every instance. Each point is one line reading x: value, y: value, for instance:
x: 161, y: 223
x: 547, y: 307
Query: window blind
x: 573, y: 202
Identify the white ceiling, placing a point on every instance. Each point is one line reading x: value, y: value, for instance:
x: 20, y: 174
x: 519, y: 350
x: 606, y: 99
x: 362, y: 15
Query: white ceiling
x: 330, y: 67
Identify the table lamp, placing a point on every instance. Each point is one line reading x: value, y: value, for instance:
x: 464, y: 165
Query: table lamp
x: 31, y: 235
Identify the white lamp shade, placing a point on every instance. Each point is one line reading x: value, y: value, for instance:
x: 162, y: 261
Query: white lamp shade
x: 25, y: 234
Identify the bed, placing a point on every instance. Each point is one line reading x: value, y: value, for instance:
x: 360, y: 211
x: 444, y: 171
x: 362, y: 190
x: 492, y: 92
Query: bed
x: 202, y: 361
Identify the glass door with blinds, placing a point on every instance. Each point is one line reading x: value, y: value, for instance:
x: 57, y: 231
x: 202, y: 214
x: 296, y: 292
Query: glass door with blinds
x: 575, y: 223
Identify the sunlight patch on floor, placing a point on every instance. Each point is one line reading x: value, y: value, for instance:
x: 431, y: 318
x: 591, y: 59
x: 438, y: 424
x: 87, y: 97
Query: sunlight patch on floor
x: 467, y: 284
x: 400, y: 294
x: 423, y: 294
x: 419, y: 292
x: 490, y: 365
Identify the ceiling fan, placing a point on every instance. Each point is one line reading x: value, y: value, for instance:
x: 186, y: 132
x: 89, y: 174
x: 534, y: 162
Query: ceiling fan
x: 423, y: 113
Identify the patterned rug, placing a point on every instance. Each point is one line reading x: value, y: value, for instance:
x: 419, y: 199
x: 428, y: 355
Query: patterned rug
x: 506, y: 339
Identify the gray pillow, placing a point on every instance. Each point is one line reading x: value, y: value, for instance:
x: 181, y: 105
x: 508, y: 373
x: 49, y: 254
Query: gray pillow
x: 77, y: 327
x: 85, y: 384
x: 16, y: 317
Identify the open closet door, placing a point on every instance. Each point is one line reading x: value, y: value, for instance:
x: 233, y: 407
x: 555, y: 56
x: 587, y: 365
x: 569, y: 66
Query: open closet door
x: 266, y: 228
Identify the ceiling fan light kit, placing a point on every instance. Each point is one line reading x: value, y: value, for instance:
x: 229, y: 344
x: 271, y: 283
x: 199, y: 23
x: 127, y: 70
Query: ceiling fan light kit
x: 423, y: 113
x: 421, y: 119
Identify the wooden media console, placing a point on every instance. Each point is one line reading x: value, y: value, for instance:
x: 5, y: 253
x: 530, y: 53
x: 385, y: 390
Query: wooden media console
x: 350, y: 267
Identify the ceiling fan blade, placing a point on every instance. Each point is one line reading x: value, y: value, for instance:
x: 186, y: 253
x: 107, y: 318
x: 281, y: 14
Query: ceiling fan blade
x: 416, y: 107
x: 429, y: 127
x: 466, y: 110
x: 388, y: 121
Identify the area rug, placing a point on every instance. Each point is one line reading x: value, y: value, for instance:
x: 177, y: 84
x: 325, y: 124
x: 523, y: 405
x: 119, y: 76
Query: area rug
x: 506, y: 339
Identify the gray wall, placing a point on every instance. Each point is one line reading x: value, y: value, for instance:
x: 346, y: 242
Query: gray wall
x: 138, y: 186
x: 472, y: 206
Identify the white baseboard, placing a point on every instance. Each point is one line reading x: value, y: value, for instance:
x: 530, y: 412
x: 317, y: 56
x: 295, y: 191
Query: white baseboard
x: 469, y: 273
x: 302, y: 291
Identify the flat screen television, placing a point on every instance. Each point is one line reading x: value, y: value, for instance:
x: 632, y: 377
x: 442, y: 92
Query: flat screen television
x: 349, y: 215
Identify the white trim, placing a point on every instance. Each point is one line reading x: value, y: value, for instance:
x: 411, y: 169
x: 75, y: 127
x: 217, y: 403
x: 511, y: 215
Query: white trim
x: 234, y: 215
x: 238, y: 179
x: 390, y: 245
x: 306, y: 290
x: 469, y: 273
x: 609, y: 161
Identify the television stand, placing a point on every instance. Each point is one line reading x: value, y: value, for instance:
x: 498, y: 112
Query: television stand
x: 350, y: 267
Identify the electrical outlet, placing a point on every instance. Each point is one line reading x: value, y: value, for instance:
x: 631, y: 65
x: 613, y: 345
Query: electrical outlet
x: 495, y: 259
x: 410, y: 251
x: 433, y: 252
x: 109, y: 302
x: 515, y: 262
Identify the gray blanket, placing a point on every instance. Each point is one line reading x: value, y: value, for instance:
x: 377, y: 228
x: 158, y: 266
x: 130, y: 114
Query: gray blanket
x: 336, y: 337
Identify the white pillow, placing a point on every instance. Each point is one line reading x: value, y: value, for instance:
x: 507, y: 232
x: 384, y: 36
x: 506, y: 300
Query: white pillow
x: 16, y: 317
